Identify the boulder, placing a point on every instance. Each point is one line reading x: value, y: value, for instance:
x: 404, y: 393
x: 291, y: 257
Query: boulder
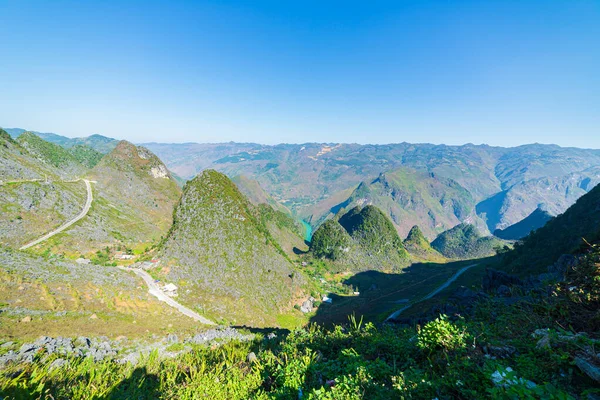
x: 591, y: 370
x: 307, y: 306
x: 562, y: 265
x: 172, y: 338
x: 503, y: 291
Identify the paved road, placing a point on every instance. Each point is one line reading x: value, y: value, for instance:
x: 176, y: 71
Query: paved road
x: 156, y: 292
x: 395, y: 314
x: 83, y: 213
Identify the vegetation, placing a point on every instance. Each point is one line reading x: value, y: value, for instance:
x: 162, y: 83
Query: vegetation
x: 363, y: 238
x: 463, y: 241
x: 133, y: 203
x: 86, y: 155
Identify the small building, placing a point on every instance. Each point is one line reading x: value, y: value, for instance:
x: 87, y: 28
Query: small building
x: 119, y: 255
x: 327, y: 300
x: 170, y: 290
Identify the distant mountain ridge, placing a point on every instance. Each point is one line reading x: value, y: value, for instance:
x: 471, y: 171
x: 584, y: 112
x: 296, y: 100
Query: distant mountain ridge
x: 490, y: 187
x: 314, y: 180
x: 97, y: 142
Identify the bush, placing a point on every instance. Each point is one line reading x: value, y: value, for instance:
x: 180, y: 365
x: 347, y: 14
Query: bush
x: 441, y: 334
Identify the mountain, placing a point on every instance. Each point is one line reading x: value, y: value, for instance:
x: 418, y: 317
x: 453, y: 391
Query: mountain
x: 554, y: 194
x: 101, y: 144
x: 188, y: 159
x: 464, y: 242
x: 134, y: 198
x: 362, y: 239
x: 256, y: 194
x: 330, y: 241
x: 34, y: 199
x: 224, y: 256
x: 14, y: 132
x: 534, y: 221
x: 563, y: 234
x: 419, y: 247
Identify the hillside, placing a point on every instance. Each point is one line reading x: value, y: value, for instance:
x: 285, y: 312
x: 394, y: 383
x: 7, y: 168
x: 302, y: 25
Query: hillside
x: 134, y: 197
x: 563, y: 234
x: 33, y: 197
x: 534, y: 221
x: 464, y: 242
x: 224, y: 257
x: 256, y: 194
x: 86, y: 155
x: 62, y: 298
x: 64, y: 161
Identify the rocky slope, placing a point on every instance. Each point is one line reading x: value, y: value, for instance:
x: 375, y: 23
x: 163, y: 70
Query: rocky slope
x: 54, y: 155
x: 34, y: 199
x: 224, y: 259
x: 52, y: 296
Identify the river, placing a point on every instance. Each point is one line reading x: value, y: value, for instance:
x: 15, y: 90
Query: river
x: 307, y: 230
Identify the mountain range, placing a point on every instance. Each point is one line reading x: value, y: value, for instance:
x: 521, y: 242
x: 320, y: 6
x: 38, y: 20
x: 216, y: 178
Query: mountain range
x: 433, y: 186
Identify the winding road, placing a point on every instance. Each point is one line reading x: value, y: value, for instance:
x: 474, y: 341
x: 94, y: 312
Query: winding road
x: 154, y: 290
x: 83, y: 213
x: 458, y: 273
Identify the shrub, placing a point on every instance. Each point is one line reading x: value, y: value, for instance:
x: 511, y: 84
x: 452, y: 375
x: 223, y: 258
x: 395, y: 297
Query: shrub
x: 441, y: 334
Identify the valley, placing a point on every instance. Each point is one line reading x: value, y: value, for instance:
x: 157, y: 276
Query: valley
x: 118, y: 248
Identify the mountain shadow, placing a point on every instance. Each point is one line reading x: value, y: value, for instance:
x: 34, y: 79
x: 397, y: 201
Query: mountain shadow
x: 381, y: 293
x: 491, y: 208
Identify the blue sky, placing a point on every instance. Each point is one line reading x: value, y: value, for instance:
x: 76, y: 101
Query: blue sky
x: 496, y: 72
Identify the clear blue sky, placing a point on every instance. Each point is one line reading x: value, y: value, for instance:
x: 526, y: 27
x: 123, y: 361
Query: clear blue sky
x: 496, y: 72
